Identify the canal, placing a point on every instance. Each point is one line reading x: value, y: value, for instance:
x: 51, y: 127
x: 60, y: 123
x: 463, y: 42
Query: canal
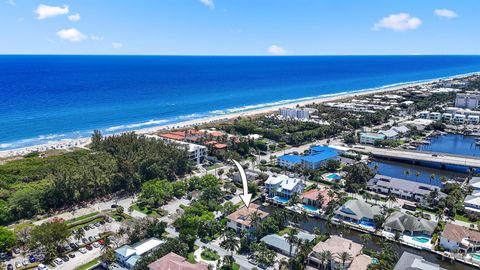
x: 374, y: 244
x: 456, y: 144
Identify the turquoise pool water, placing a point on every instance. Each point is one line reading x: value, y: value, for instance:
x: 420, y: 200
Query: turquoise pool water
x: 280, y: 199
x: 309, y: 208
x: 475, y: 256
x: 334, y: 176
x: 421, y: 239
x: 374, y: 261
x: 367, y: 223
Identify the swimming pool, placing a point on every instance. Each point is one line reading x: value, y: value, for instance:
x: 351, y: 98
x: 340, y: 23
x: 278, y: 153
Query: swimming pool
x: 368, y: 224
x: 475, y: 256
x: 280, y: 199
x: 309, y: 208
x: 421, y: 239
x: 334, y: 176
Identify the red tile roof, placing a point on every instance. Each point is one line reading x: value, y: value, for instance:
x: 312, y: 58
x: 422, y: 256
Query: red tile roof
x: 457, y: 233
x: 216, y: 134
x: 242, y: 215
x: 173, y: 136
x: 210, y: 142
x: 313, y: 195
x: 172, y: 261
x: 220, y: 146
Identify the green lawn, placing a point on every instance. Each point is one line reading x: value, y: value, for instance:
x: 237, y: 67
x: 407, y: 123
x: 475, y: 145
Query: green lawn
x: 210, y: 255
x: 81, y: 217
x: 215, y: 166
x: 147, y: 211
x: 88, y: 265
x: 81, y: 225
x: 284, y: 231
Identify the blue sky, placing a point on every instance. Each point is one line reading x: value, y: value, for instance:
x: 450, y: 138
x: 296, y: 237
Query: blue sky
x: 240, y: 27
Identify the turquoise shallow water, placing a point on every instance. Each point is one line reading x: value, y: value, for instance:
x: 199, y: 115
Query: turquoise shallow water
x: 44, y: 98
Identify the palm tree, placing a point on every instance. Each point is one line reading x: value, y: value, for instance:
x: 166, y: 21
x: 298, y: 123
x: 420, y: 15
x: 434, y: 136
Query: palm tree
x: 365, y: 238
x: 344, y: 257
x: 366, y: 196
x: 255, y: 217
x: 292, y: 239
x: 325, y: 258
x: 79, y: 234
x: 320, y: 200
x: 294, y: 199
x: 443, y: 179
x: 375, y: 168
x: 230, y: 243
x: 432, y: 177
x: 391, y: 198
x: 407, y: 173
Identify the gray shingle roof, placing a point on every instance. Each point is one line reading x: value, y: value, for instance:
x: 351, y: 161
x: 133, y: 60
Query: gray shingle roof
x: 402, y: 184
x: 402, y: 221
x: 410, y: 261
x: 358, y: 209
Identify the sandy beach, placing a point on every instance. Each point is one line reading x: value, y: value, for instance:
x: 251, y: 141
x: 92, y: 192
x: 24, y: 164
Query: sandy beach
x: 82, y: 142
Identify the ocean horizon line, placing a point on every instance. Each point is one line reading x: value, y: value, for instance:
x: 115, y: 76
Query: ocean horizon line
x: 155, y: 123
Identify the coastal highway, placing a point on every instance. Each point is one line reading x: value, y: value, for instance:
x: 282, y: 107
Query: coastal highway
x: 412, y: 155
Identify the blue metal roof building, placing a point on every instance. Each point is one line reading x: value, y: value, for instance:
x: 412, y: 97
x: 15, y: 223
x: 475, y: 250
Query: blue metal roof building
x: 318, y: 155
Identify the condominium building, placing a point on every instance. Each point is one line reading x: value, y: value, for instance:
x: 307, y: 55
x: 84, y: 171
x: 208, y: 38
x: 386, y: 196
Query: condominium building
x: 371, y: 138
x: 469, y: 100
x: 296, y: 113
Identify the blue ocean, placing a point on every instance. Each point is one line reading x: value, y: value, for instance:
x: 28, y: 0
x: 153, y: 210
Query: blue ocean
x: 50, y: 98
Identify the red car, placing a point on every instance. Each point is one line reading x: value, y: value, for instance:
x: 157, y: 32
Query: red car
x: 88, y: 247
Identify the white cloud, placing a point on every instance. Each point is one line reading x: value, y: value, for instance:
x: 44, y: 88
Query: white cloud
x: 445, y: 13
x: 96, y: 38
x: 117, y: 45
x: 44, y: 11
x: 71, y: 34
x: 276, y: 50
x: 398, y: 22
x: 208, y: 3
x: 74, y: 17
x: 11, y: 2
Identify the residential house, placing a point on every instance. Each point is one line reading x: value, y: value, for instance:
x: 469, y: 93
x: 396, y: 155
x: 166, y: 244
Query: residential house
x: 127, y: 256
x: 459, y: 119
x: 283, y: 186
x: 409, y: 261
x: 402, y: 188
x: 435, y: 116
x: 447, y: 117
x: 311, y: 197
x: 424, y: 115
x: 390, y: 134
x: 459, y: 238
x: 358, y: 212
x: 173, y: 261
x: 401, y: 129
x: 336, y: 245
x: 241, y: 220
x: 195, y: 152
x: 409, y: 225
x: 473, y: 119
x: 251, y: 175
x: 371, y: 138
x: 280, y: 244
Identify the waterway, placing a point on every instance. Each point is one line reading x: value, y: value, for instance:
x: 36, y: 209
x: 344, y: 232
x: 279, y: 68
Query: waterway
x: 456, y: 144
x: 398, y: 170
x: 375, y: 243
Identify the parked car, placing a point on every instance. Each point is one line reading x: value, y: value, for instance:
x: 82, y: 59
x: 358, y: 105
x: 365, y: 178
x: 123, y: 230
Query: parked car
x: 88, y: 247
x: 32, y: 259
x: 65, y: 258
x: 16, y: 250
x: 91, y: 238
x: 42, y: 267
x: 83, y: 250
x: 84, y: 240
x: 9, y: 266
x: 114, y: 206
x: 71, y: 255
x: 58, y: 261
x: 86, y: 228
x: 25, y: 262
x: 97, y: 224
x: 96, y: 245
x: 18, y: 264
x: 73, y: 246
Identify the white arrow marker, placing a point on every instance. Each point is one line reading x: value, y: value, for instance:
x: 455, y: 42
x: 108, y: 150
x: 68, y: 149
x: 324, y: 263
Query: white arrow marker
x: 245, y: 197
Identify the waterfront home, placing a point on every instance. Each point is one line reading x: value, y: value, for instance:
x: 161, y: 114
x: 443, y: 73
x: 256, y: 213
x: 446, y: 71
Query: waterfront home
x: 424, y: 115
x: 402, y: 188
x: 316, y: 158
x: 371, y: 138
x: 358, y: 212
x: 173, y: 261
x: 241, y: 219
x: 390, y: 134
x: 473, y: 119
x: 459, y: 238
x: 401, y: 129
x: 409, y: 261
x: 459, y: 119
x: 407, y: 224
x: 280, y: 244
x: 336, y: 245
x: 472, y: 202
x: 435, y: 116
x: 127, y: 256
x: 283, y: 186
x: 311, y: 197
x: 447, y: 117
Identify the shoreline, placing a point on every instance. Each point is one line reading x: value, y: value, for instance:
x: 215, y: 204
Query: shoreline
x: 68, y: 144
